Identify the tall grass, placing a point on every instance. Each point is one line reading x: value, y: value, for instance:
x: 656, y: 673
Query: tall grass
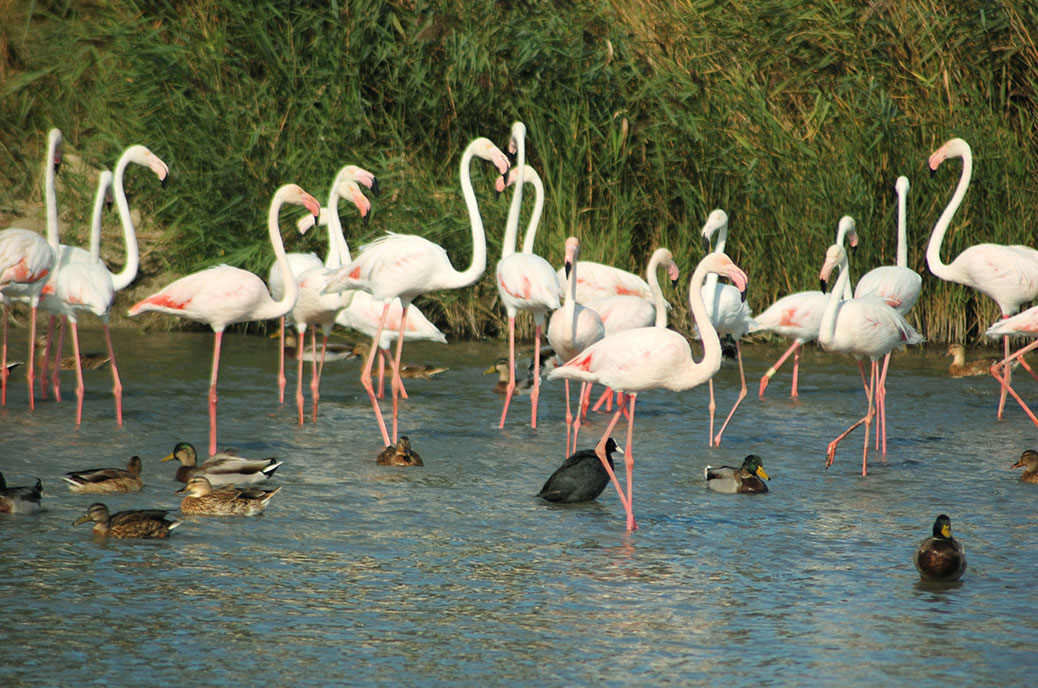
x: 642, y: 117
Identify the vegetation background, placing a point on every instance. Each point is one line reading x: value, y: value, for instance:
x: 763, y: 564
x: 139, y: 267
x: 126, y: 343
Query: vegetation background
x: 643, y: 115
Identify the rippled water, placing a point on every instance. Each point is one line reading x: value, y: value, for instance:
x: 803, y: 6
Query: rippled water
x: 454, y: 574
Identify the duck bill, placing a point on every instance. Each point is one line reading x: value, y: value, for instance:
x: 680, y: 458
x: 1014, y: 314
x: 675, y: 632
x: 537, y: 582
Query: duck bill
x: 169, y: 457
x: 761, y: 473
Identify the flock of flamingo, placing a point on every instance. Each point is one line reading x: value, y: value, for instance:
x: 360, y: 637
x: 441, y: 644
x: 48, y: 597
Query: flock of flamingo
x: 606, y: 326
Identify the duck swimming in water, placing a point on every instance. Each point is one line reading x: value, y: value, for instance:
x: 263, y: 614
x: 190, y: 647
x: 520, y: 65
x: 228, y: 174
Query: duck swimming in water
x: 747, y: 479
x: 1029, y: 462
x: 135, y: 523
x: 20, y: 500
x: 227, y: 501
x: 581, y: 477
x: 959, y: 367
x: 223, y: 468
x: 399, y: 455
x: 940, y: 557
x: 104, y: 480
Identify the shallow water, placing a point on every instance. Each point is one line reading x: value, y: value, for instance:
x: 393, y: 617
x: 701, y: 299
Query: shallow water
x: 454, y: 574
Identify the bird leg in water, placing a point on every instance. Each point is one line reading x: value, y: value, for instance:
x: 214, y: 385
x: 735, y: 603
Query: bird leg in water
x: 300, y: 347
x: 397, y: 383
x: 3, y: 360
x: 365, y: 376
x: 315, y: 376
x: 766, y: 378
x: 510, y: 387
x: 742, y: 395
x: 1005, y: 365
x: 600, y: 451
x: 282, y: 381
x: 80, y: 387
x: 867, y: 420
x: 117, y: 385
x: 212, y: 392
x: 535, y: 390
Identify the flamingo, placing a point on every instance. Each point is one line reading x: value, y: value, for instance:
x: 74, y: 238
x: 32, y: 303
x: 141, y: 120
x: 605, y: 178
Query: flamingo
x: 898, y: 284
x: 864, y: 326
x: 729, y: 313
x: 313, y: 307
x: 26, y: 260
x: 222, y: 295
x: 405, y: 266
x: 572, y: 329
x: 798, y: 315
x: 525, y: 281
x: 75, y: 294
x: 1023, y: 324
x: 1007, y: 274
x: 646, y: 358
x: 598, y: 281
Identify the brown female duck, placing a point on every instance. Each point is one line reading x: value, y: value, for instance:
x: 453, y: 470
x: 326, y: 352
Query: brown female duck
x: 227, y: 501
x: 135, y: 523
x: 1029, y: 462
x: 400, y: 455
x: 104, y: 480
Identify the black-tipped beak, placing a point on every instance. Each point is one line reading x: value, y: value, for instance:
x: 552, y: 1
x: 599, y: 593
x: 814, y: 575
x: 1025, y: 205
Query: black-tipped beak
x: 511, y: 155
x: 824, y: 286
x: 932, y: 171
x: 568, y: 266
x: 367, y: 218
x: 742, y: 294
x: 674, y: 283
x: 706, y: 244
x: 854, y: 249
x: 165, y: 181
x: 375, y: 190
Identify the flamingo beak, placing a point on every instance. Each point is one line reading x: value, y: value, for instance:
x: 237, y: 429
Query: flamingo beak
x: 706, y: 244
x: 375, y: 190
x: 569, y: 267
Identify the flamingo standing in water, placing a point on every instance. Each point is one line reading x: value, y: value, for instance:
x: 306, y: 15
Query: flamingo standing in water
x: 1024, y: 324
x: 799, y: 316
x: 863, y: 327
x: 314, y: 308
x: 93, y: 288
x: 572, y: 329
x: 26, y: 260
x: 222, y: 295
x: 405, y: 266
x: 646, y: 358
x: 729, y: 313
x: 525, y: 281
x: 1008, y: 274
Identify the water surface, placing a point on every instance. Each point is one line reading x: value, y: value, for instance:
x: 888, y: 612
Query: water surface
x: 454, y: 574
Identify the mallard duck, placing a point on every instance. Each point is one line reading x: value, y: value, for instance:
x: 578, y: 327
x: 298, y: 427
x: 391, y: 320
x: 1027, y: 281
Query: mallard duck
x: 941, y: 557
x: 20, y: 500
x: 522, y: 384
x: 335, y: 351
x: 580, y: 478
x: 411, y: 371
x: 1029, y: 462
x: 136, y: 523
x: 400, y: 455
x: 227, y: 501
x: 748, y: 478
x: 960, y: 368
x: 88, y: 361
x: 102, y: 480
x: 223, y: 468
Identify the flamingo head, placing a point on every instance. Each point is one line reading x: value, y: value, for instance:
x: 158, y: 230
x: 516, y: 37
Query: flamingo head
x: 901, y: 185
x: 954, y: 148
x: 359, y: 175
x: 572, y: 252
x: 518, y: 137
x: 715, y: 221
x: 293, y: 193
x: 834, y: 256
x: 484, y: 148
x: 725, y: 267
x: 351, y: 190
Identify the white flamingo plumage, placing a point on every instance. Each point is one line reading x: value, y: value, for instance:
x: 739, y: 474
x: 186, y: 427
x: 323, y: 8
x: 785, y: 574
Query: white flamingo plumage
x: 799, y: 316
x: 26, y: 261
x: 729, y: 313
x: 864, y: 326
x: 405, y: 266
x: 1008, y: 274
x: 647, y: 358
x: 525, y: 281
x: 222, y: 295
x: 572, y: 329
x: 313, y: 307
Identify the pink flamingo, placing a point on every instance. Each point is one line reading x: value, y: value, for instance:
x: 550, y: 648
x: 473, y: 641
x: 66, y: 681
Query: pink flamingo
x: 1008, y: 274
x: 799, y: 316
x: 598, y: 281
x: 572, y: 329
x: 222, y: 295
x: 26, y: 260
x: 313, y: 307
x: 1024, y: 324
x: 405, y: 266
x: 898, y: 285
x: 93, y: 288
x: 646, y: 358
x: 525, y: 281
x: 729, y: 313
x: 863, y: 327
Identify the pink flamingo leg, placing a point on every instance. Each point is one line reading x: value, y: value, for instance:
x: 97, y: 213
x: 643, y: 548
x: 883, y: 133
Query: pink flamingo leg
x: 55, y: 374
x: 713, y: 407
x: 3, y: 362
x: 282, y: 381
x: 365, y: 375
x: 397, y: 383
x: 867, y: 420
x: 300, y: 346
x: 212, y: 392
x: 881, y: 407
x: 1007, y: 363
x: 315, y: 374
x: 796, y: 374
x: 382, y: 355
x: 1007, y: 377
x: 629, y: 461
x: 742, y: 395
x: 607, y: 396
x: 117, y: 385
x: 535, y: 390
x: 582, y: 402
x: 569, y: 422
x: 766, y: 378
x: 44, y: 369
x: 80, y: 387
x: 30, y: 364
x: 511, y: 371
x: 601, y: 453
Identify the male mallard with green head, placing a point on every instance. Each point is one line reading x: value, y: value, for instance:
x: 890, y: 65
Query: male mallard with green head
x: 940, y: 557
x: 748, y: 478
x: 223, y: 468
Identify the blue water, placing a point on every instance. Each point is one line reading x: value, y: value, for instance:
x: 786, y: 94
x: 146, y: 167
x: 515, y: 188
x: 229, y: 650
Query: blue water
x: 456, y: 575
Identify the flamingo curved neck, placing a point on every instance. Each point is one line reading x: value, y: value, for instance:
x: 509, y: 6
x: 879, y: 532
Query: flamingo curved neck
x: 538, y: 207
x: 827, y: 327
x: 103, y: 182
x: 288, y: 299
x: 710, y: 286
x: 124, y: 277
x: 512, y: 224
x: 933, y: 249
x: 654, y: 286
x: 479, y: 239
x: 696, y: 373
x: 338, y: 250
x: 51, y: 195
x: 902, y: 229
